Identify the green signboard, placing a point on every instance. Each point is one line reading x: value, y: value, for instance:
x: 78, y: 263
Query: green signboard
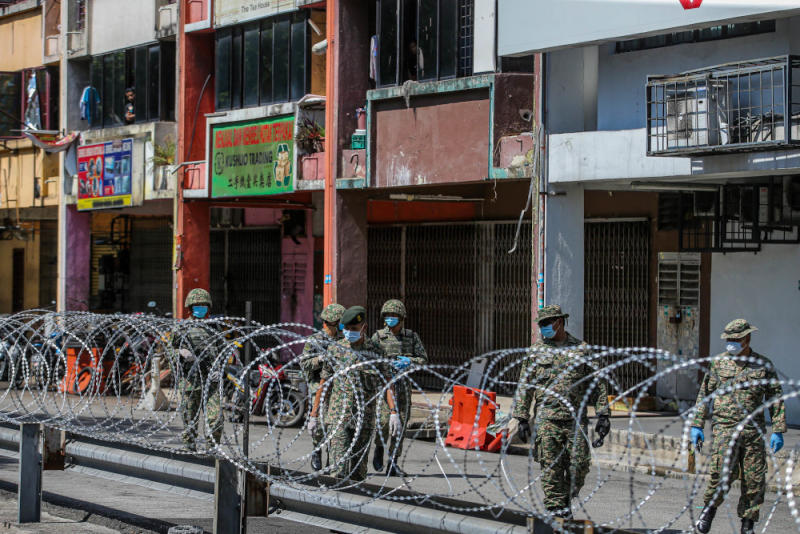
x: 253, y: 158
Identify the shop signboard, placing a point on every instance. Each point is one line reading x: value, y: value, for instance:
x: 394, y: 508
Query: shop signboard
x: 228, y: 12
x: 104, y: 175
x: 253, y: 158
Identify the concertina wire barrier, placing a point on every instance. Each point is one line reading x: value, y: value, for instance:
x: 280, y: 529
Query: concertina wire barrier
x: 87, y: 374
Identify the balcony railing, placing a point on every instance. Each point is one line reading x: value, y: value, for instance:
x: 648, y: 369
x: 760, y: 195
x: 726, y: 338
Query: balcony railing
x: 736, y: 107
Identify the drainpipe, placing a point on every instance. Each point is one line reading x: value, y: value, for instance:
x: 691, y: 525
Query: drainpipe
x: 540, y: 214
x: 331, y: 81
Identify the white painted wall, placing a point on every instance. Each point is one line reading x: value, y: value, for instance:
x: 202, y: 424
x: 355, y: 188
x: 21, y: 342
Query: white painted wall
x: 564, y: 254
x: 763, y: 288
x: 541, y: 25
x: 623, y: 77
x: 116, y: 24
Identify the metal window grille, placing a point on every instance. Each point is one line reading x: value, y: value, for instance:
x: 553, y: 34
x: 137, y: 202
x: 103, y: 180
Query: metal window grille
x: 733, y: 107
x: 616, y: 290
x: 740, y: 217
x: 464, y: 293
x: 466, y: 38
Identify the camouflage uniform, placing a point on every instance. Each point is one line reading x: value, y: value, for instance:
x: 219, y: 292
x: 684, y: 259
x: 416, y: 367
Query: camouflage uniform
x: 195, y: 375
x: 562, y: 452
x: 313, y: 357
x: 405, y: 343
x: 351, y: 396
x: 748, y: 457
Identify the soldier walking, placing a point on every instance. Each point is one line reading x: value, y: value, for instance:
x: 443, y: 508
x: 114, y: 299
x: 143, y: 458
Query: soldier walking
x: 313, y: 357
x: 744, y: 380
x: 197, y: 351
x: 351, y: 412
x: 405, y: 348
x: 552, y: 373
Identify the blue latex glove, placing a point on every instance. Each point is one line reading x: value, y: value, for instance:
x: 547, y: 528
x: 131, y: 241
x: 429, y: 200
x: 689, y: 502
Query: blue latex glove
x: 401, y: 363
x: 776, y: 441
x: 697, y: 435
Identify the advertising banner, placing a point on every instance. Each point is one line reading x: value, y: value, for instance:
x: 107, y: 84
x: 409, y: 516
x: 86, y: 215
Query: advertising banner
x: 253, y: 158
x: 234, y: 11
x: 104, y: 175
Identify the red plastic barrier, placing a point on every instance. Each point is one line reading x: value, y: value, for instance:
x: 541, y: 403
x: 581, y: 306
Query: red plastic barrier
x: 463, y: 432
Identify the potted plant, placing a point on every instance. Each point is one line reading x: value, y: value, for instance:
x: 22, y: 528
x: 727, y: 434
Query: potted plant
x: 310, y: 139
x: 163, y: 157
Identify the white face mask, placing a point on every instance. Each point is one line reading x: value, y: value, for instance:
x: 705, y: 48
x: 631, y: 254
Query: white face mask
x: 734, y: 348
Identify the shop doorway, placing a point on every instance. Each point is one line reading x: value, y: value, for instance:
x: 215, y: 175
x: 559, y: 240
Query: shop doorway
x: 617, y: 289
x: 246, y: 265
x: 18, y: 280
x: 465, y: 294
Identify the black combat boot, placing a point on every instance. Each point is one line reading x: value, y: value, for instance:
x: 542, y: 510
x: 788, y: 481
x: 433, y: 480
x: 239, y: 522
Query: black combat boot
x: 377, y: 457
x: 748, y: 526
x: 392, y: 470
x: 706, y: 517
x: 316, y: 460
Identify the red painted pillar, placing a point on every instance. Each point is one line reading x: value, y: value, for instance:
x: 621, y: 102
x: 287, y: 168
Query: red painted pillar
x: 195, y: 99
x: 331, y: 150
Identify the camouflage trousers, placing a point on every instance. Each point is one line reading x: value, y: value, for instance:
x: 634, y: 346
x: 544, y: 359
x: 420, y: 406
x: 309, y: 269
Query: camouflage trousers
x: 565, y: 460
x: 394, y: 444
x: 748, y: 462
x: 191, y: 403
x: 348, y: 449
x: 317, y: 435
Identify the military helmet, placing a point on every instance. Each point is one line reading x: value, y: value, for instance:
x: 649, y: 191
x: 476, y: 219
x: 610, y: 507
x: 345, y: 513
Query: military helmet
x: 551, y: 311
x: 393, y: 306
x: 737, y: 329
x: 197, y: 296
x: 332, y: 313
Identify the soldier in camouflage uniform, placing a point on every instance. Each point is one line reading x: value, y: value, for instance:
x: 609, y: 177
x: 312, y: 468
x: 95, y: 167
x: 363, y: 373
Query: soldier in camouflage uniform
x: 747, y: 457
x: 352, y: 397
x: 197, y: 353
x: 406, y: 348
x: 313, y: 358
x: 561, y: 450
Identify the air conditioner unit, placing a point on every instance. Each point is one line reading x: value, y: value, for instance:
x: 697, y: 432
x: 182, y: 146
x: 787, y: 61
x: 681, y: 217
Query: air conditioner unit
x: 697, y: 115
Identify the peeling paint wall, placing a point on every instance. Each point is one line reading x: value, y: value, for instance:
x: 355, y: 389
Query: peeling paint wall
x: 410, y: 142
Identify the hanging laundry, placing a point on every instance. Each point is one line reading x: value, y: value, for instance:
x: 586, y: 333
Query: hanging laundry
x: 90, y: 98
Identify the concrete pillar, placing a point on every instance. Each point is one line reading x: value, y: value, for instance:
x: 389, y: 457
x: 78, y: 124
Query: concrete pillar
x: 77, y: 254
x: 192, y: 251
x: 351, y: 254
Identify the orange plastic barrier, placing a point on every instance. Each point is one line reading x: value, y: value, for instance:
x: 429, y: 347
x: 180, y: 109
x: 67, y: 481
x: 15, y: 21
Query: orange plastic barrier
x: 463, y: 431
x: 76, y: 382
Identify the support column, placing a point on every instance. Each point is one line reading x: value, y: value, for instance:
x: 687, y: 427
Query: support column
x: 77, y: 257
x: 29, y: 486
x: 351, y: 260
x: 192, y: 250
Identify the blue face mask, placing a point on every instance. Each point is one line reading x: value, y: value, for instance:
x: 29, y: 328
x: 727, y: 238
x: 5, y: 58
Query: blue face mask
x: 199, y: 311
x: 548, y: 332
x: 341, y: 327
x: 733, y: 347
x: 391, y: 322
x: 352, y: 335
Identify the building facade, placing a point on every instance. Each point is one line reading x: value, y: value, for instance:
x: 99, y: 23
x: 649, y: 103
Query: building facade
x: 29, y: 175
x: 672, y: 171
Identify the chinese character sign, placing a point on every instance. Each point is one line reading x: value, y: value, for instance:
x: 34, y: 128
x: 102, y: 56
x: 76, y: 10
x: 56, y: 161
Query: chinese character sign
x: 104, y: 175
x: 253, y: 158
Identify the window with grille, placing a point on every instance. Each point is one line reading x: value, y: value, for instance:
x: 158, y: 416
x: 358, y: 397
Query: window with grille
x: 147, y: 72
x: 679, y: 279
x: 29, y: 99
x: 424, y: 40
x: 263, y: 62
